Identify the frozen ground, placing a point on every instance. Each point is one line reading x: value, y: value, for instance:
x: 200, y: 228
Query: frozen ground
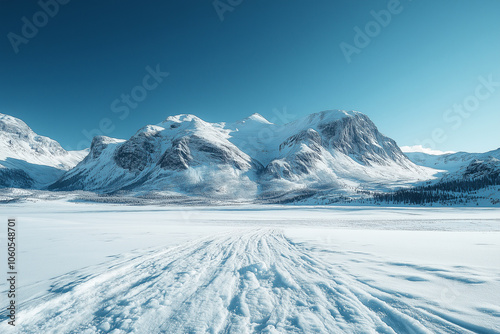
x: 88, y: 268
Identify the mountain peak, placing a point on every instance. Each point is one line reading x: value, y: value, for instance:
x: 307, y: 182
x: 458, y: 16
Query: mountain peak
x: 333, y: 115
x: 256, y: 117
x: 182, y: 118
x: 13, y: 125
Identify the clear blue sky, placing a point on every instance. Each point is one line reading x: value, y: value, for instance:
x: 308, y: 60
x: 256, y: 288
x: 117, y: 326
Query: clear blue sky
x: 264, y: 55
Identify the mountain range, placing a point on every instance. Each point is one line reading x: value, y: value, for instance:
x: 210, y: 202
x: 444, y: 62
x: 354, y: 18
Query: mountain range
x: 459, y: 165
x: 332, y: 154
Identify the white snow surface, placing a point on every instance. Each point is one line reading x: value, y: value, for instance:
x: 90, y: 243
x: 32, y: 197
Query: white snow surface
x: 255, y: 269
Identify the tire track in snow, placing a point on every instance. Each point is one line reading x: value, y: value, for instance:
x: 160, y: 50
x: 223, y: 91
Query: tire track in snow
x: 251, y: 281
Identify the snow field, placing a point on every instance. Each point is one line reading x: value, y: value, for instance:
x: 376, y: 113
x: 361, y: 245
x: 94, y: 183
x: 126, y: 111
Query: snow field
x: 118, y: 269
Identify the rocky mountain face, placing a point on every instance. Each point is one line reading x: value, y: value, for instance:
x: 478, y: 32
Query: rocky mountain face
x: 182, y: 154
x: 460, y: 165
x: 28, y: 160
x: 334, y: 151
x: 326, y: 155
x: 479, y: 168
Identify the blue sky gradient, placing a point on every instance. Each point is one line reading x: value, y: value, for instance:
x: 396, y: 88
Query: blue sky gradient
x: 429, y: 75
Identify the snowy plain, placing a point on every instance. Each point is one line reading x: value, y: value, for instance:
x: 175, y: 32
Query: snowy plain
x: 95, y: 268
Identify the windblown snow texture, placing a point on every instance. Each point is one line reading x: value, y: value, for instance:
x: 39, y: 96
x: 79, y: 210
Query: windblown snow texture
x: 255, y: 281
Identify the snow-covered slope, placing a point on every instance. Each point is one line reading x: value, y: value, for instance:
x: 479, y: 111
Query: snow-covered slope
x: 28, y: 160
x: 332, y: 150
x: 465, y: 178
x: 181, y: 154
x: 337, y: 150
x: 458, y: 165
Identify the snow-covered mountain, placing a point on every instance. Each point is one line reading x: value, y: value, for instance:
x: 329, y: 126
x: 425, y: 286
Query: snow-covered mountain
x: 463, y: 179
x: 460, y: 165
x: 337, y: 151
x: 28, y: 160
x: 334, y: 151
